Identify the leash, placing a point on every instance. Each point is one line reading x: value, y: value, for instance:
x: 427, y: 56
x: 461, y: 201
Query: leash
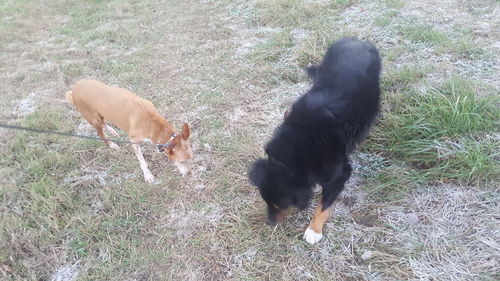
x: 66, y: 134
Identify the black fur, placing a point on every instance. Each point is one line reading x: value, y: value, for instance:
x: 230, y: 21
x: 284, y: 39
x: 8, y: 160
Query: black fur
x: 313, y: 144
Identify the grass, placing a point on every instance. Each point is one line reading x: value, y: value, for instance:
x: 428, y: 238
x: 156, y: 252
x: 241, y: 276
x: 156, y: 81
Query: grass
x: 404, y: 77
x: 290, y: 13
x: 440, y: 131
x: 421, y: 33
x: 420, y: 199
x: 461, y: 44
x: 276, y: 46
x: 394, y: 4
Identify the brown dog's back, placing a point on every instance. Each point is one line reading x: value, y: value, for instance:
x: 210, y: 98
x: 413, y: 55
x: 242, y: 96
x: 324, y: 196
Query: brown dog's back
x: 96, y: 101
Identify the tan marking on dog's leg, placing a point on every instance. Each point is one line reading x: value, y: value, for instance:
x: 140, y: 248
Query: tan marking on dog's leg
x: 144, y: 166
x: 281, y: 215
x: 314, y: 232
x: 112, y: 131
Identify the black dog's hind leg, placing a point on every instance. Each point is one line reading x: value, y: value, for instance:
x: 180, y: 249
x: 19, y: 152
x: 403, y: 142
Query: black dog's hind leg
x: 331, y: 190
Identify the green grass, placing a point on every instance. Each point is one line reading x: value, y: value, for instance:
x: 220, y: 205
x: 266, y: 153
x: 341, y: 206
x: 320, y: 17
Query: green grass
x: 459, y: 43
x: 394, y: 4
x: 317, y: 19
x: 440, y: 131
x: 275, y: 47
x: 291, y: 13
x: 465, y: 47
x: 382, y: 21
x: 386, y: 18
x: 420, y: 33
x: 393, y: 182
x: 11, y: 11
x: 404, y: 77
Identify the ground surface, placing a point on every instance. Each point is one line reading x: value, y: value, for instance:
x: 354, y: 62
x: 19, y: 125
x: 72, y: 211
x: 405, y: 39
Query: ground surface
x: 423, y: 203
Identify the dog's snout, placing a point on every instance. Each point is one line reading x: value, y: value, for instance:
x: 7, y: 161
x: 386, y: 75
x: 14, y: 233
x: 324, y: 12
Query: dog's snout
x: 184, y: 167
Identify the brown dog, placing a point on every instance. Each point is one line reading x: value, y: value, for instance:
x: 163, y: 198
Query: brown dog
x: 138, y: 117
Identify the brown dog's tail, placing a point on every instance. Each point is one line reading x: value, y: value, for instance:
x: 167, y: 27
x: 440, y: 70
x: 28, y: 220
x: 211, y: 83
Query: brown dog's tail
x: 69, y: 97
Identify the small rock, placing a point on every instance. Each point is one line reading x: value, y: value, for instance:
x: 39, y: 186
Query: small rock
x: 367, y: 255
x: 207, y: 147
x: 412, y: 218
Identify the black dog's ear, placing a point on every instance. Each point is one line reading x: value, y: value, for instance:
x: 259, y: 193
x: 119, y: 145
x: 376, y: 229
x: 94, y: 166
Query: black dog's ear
x: 258, y: 172
x: 312, y: 71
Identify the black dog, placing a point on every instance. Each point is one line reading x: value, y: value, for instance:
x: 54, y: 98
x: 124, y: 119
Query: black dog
x: 313, y: 144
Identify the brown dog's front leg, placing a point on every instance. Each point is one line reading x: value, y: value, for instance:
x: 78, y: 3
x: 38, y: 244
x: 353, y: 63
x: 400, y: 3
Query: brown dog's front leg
x: 314, y: 232
x: 144, y: 166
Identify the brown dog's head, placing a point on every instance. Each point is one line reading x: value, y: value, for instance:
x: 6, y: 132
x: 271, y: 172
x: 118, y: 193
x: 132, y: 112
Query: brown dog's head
x: 178, y: 150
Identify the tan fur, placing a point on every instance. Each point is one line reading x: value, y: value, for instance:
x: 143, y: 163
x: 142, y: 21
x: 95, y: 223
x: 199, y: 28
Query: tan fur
x: 319, y: 218
x: 138, y: 117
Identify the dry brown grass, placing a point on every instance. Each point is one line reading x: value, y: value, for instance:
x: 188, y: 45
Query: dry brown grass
x: 76, y: 210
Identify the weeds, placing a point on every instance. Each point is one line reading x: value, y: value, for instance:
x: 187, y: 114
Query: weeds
x: 440, y: 131
x: 420, y: 33
x: 275, y: 47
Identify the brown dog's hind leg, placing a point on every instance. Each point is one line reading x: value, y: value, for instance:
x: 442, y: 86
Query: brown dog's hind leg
x: 98, y: 123
x: 111, y: 130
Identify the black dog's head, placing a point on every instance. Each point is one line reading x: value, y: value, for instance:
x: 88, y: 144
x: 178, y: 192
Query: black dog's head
x: 278, y: 188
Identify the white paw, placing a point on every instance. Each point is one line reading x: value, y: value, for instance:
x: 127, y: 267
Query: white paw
x: 312, y: 237
x: 149, y: 177
x: 113, y: 145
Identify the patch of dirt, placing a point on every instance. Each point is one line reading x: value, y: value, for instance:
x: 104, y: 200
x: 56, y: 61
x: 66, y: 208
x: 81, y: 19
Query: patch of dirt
x: 84, y: 128
x: 482, y: 16
x: 24, y: 106
x: 367, y: 220
x: 185, y: 222
x: 237, y: 261
x: 431, y: 216
x: 250, y: 37
x: 68, y: 272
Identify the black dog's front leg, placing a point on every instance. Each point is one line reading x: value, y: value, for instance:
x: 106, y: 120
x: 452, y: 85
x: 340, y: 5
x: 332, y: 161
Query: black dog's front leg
x: 331, y: 190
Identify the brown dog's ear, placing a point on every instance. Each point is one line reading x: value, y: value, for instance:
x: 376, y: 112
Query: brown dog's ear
x: 185, y: 131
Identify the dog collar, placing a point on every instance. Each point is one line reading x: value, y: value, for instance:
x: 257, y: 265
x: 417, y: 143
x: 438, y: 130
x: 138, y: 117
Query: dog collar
x: 168, y: 144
